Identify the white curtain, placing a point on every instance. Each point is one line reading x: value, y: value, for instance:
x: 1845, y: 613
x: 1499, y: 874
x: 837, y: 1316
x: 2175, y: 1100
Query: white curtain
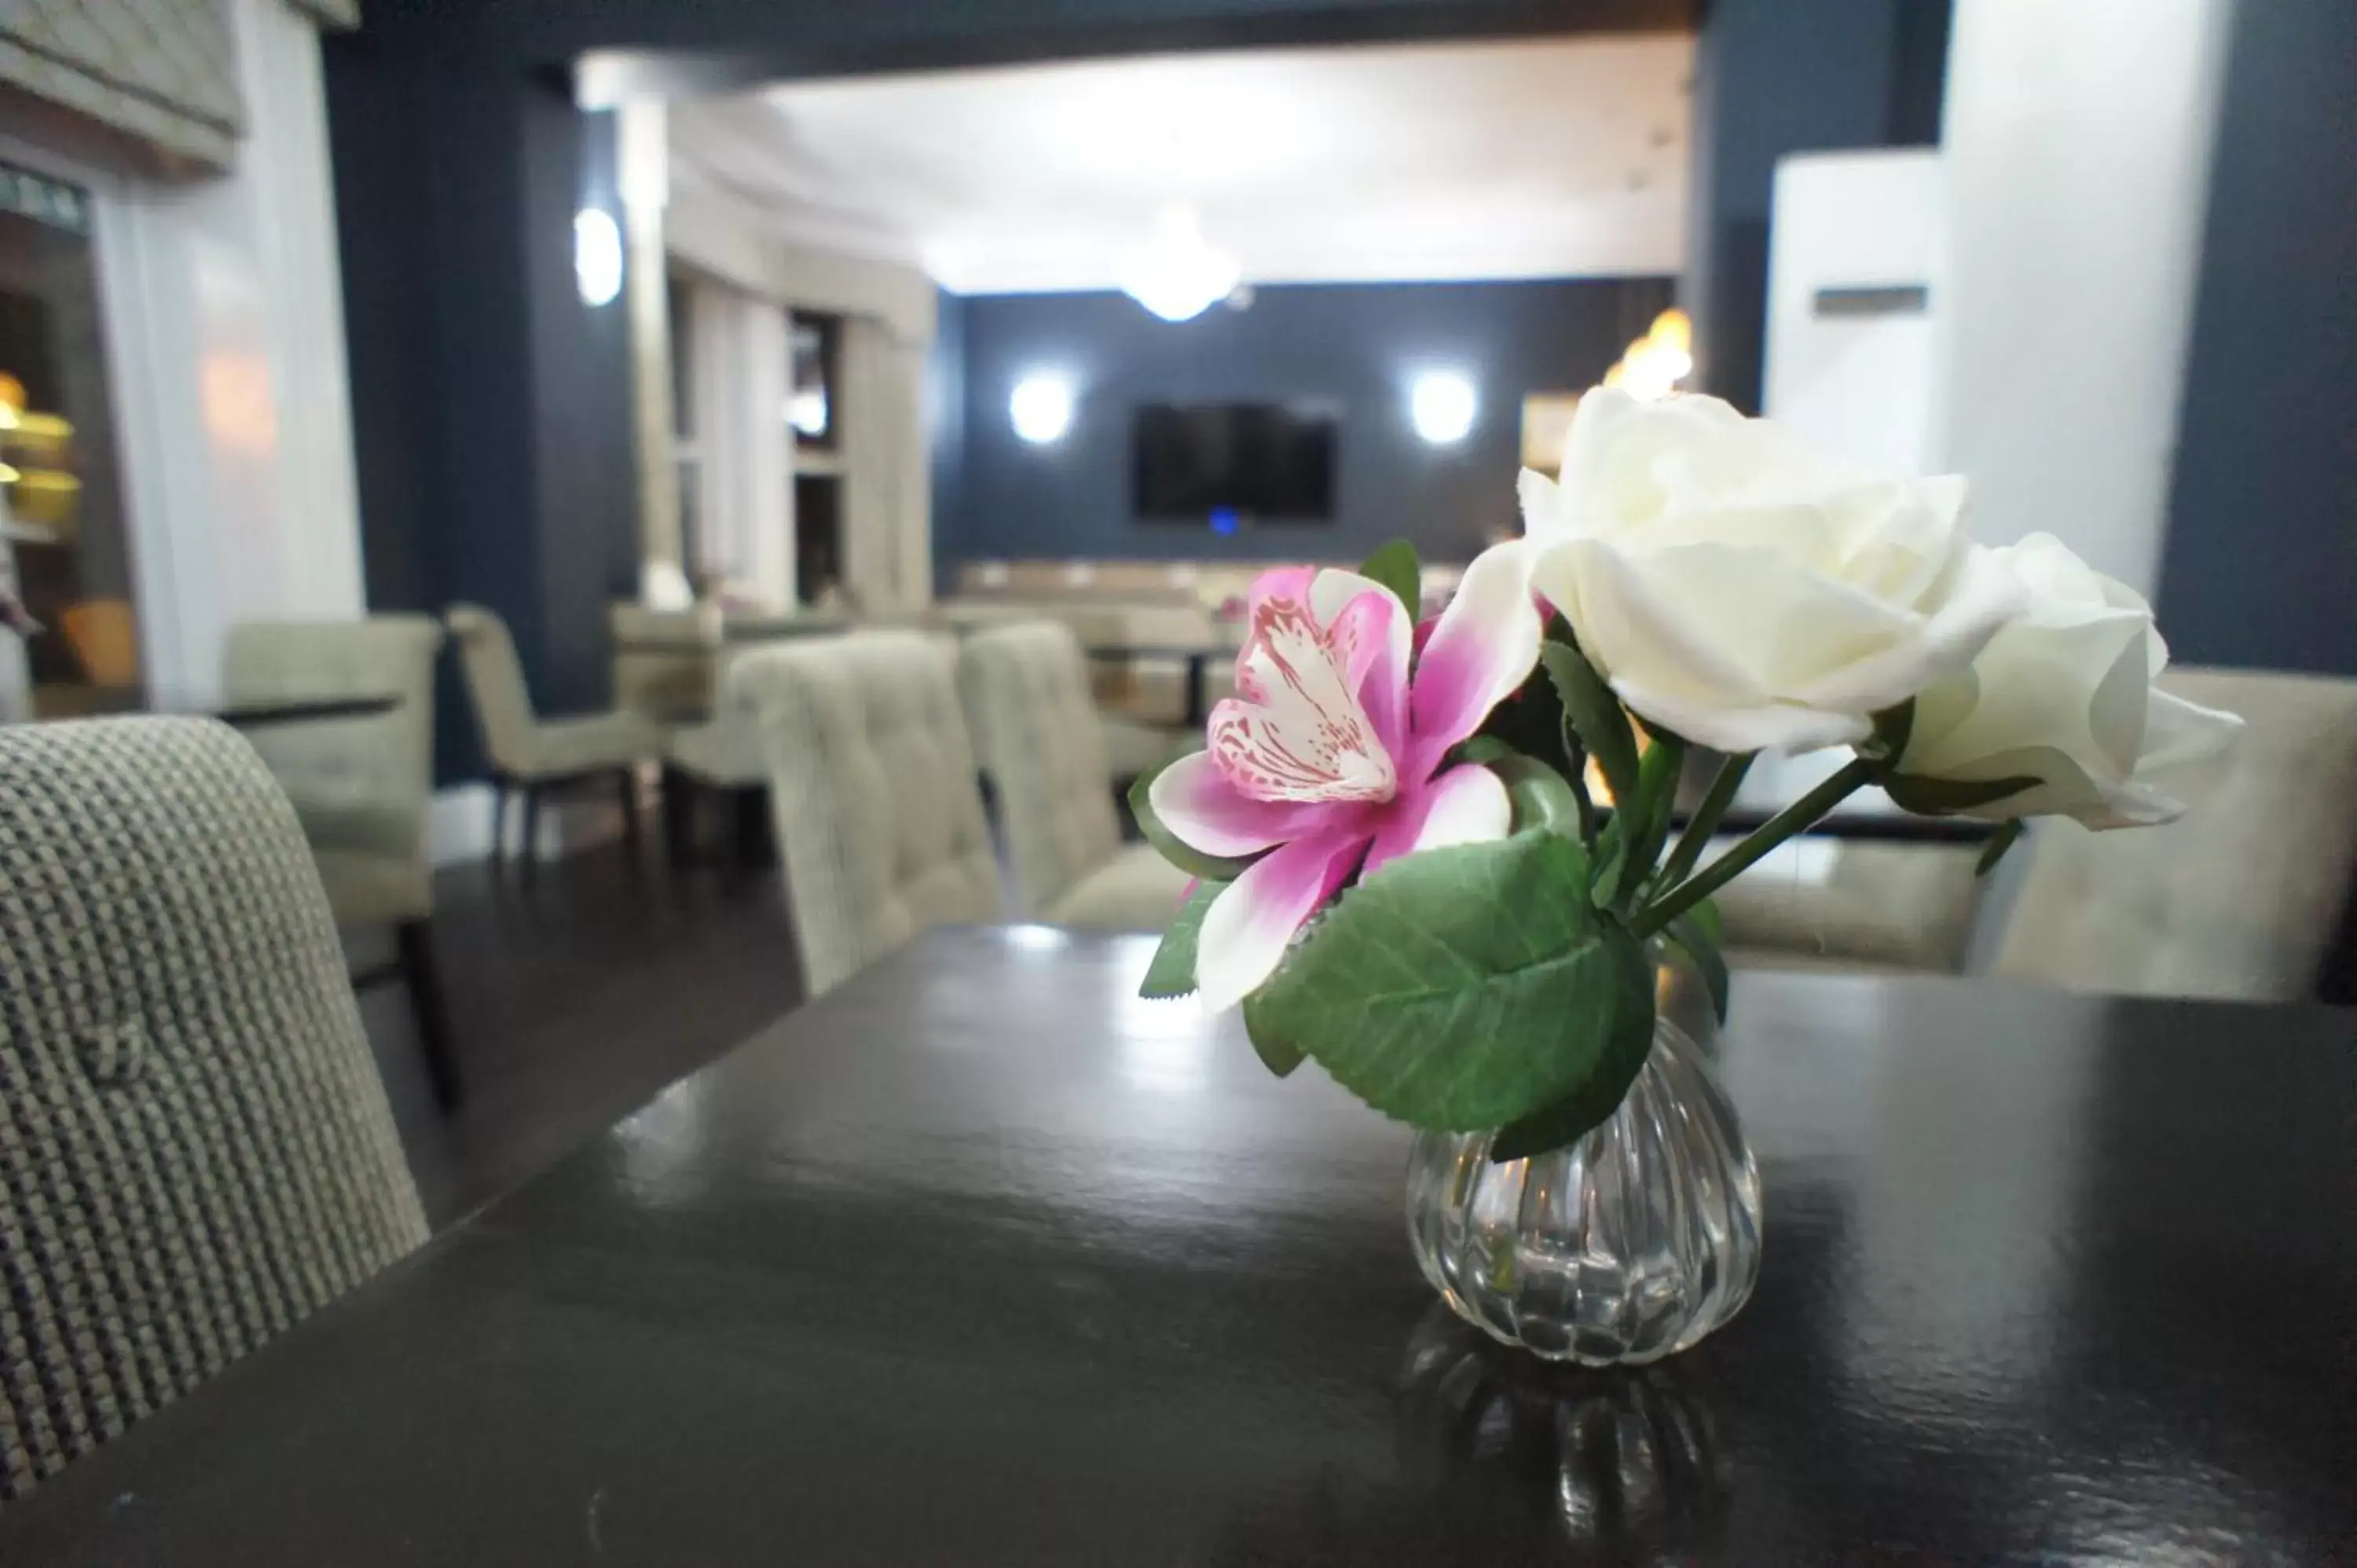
x: 745, y: 522
x: 888, y: 548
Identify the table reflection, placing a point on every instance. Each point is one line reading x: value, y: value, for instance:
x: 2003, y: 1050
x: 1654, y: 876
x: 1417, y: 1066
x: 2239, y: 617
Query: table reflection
x: 1614, y: 1465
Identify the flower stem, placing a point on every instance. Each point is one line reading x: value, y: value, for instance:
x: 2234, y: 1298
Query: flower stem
x: 1575, y: 773
x: 1802, y: 814
x: 1705, y: 822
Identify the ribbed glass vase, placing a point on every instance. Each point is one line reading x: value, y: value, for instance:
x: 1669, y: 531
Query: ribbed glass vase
x: 1627, y: 1246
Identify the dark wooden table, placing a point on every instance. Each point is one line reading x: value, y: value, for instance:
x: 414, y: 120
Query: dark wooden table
x: 1196, y: 657
x: 981, y: 1260
x: 300, y: 711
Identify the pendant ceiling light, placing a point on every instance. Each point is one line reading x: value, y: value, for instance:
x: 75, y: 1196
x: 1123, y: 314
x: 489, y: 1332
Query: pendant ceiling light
x: 1178, y: 275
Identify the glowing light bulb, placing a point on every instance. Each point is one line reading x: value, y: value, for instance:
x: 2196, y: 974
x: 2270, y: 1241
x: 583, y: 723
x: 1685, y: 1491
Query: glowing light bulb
x: 1042, y: 407
x: 1441, y: 405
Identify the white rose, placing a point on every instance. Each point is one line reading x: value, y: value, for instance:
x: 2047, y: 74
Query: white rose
x: 1745, y: 591
x: 2065, y: 695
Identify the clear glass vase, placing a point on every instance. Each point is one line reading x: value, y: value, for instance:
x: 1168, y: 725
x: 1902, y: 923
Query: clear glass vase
x: 1625, y: 1247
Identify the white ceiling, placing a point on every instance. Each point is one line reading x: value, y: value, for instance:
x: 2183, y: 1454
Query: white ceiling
x: 1526, y: 158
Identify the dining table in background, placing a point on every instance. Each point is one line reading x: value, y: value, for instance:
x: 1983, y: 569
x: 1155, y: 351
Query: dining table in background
x: 982, y: 1259
x: 273, y: 714
x: 1196, y: 657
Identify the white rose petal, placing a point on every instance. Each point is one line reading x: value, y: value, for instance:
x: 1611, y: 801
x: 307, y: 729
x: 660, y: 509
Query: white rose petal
x: 1745, y: 591
x: 2065, y: 695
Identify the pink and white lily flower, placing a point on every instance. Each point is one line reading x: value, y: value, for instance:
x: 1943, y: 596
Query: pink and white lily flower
x: 1328, y: 756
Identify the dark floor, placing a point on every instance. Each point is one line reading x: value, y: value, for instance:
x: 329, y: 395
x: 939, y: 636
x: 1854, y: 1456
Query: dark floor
x: 573, y: 1003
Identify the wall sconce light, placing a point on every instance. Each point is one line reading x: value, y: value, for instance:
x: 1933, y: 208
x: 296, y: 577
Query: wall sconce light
x: 1441, y: 405
x: 1042, y: 407
x: 597, y: 255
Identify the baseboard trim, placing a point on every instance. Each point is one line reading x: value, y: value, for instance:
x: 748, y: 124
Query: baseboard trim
x: 459, y: 827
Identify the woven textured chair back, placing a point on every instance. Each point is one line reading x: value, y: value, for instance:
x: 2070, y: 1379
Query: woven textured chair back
x: 195, y: 1151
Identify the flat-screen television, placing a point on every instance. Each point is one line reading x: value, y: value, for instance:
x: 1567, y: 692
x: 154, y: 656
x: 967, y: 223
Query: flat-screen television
x: 1194, y: 462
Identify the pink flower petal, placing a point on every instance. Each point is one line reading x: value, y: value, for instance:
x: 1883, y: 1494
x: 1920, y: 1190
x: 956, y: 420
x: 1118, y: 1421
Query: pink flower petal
x: 1285, y: 582
x: 1246, y: 929
x: 1371, y: 630
x: 1196, y: 801
x: 1295, y: 731
x: 1331, y: 591
x: 1464, y: 805
x: 1486, y: 645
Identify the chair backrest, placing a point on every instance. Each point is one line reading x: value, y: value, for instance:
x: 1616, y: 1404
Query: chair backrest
x: 364, y: 783
x: 664, y: 661
x: 1036, y: 729
x: 2239, y: 898
x: 503, y: 711
x: 872, y: 784
x: 195, y: 1151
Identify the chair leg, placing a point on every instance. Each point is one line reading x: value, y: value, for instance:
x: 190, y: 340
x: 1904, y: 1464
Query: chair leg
x: 531, y: 847
x: 749, y: 811
x: 627, y: 780
x: 678, y: 816
x: 414, y: 938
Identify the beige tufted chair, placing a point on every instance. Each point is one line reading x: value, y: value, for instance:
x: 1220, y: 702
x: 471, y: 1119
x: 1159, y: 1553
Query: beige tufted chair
x: 363, y: 788
x: 195, y: 1151
x: 533, y: 756
x: 1027, y: 696
x: 872, y: 787
x: 2238, y: 898
x: 1888, y: 907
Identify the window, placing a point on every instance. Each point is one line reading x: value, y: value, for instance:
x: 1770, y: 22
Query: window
x: 815, y: 344
x: 65, y: 525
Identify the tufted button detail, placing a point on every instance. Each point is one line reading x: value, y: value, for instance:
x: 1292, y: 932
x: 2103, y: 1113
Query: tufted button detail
x: 111, y: 1054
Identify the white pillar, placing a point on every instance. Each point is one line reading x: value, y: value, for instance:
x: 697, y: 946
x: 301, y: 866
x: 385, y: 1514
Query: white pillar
x: 745, y: 475
x: 645, y: 170
x: 2077, y: 141
x: 886, y: 481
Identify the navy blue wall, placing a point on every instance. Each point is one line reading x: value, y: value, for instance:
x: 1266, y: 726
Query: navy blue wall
x: 491, y: 410
x: 1353, y: 346
x: 2259, y: 568
x: 1773, y: 77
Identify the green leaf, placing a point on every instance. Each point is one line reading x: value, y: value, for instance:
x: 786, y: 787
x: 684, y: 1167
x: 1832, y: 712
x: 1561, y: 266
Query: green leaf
x: 1185, y: 856
x: 1624, y: 1041
x: 1702, y: 946
x: 1457, y: 989
x: 1276, y: 1052
x: 1540, y: 797
x: 1395, y: 566
x: 1706, y: 917
x: 1999, y: 842
x: 1172, y: 973
x: 1596, y: 714
x: 1612, y: 861
x: 1942, y: 797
